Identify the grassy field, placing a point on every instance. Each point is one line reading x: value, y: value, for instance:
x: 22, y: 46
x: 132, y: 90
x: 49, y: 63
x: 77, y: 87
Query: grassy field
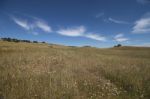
x: 42, y: 71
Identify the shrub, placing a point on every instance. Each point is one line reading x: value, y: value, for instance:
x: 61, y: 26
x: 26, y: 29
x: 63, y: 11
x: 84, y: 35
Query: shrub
x: 118, y: 45
x: 35, y: 41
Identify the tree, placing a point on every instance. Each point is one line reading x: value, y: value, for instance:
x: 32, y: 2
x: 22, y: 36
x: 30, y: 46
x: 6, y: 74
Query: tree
x: 43, y: 42
x: 118, y: 45
x: 18, y: 40
x: 35, y: 41
x: 6, y: 39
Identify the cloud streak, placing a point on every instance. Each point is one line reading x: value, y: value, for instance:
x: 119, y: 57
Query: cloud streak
x: 21, y: 22
x: 143, y: 1
x: 99, y: 15
x: 120, y: 38
x: 33, y: 25
x: 142, y: 25
x: 80, y: 31
x: 42, y: 25
x: 95, y: 37
x: 117, y: 21
x: 75, y: 31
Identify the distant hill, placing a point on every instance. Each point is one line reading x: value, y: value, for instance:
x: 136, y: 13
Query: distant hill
x: 131, y: 48
x: 19, y: 40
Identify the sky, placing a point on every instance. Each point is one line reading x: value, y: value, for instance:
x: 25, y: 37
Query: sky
x: 98, y: 23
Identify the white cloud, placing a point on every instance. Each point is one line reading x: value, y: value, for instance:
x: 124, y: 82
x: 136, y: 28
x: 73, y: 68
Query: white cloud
x: 42, y: 25
x: 142, y: 25
x: 75, y: 31
x: 119, y: 35
x: 21, y: 22
x: 95, y: 37
x: 99, y: 15
x: 120, y: 38
x: 143, y: 1
x: 33, y: 25
x: 117, y: 21
x: 80, y: 32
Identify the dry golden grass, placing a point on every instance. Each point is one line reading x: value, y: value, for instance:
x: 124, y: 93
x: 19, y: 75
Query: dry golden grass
x: 42, y: 71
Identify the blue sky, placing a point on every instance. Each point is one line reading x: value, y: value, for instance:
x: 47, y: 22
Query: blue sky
x: 99, y: 23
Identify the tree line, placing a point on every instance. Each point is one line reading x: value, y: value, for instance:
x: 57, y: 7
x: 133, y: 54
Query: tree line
x: 28, y: 41
x: 18, y: 40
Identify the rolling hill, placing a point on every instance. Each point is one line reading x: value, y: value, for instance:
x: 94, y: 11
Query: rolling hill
x: 43, y: 71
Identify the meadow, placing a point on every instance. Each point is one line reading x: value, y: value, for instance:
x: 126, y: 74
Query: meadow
x: 48, y: 71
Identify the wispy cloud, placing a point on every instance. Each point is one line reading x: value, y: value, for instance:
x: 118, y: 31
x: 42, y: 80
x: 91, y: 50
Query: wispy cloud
x: 21, y: 22
x: 142, y: 25
x: 95, y: 37
x: 99, y: 15
x: 80, y: 31
x: 143, y: 1
x: 32, y: 25
x: 117, y: 21
x: 120, y: 38
x: 74, y: 31
x: 42, y: 25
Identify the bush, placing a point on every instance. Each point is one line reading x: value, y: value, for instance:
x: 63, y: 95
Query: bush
x: 35, y: 41
x: 16, y: 40
x: 43, y: 42
x: 118, y: 45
